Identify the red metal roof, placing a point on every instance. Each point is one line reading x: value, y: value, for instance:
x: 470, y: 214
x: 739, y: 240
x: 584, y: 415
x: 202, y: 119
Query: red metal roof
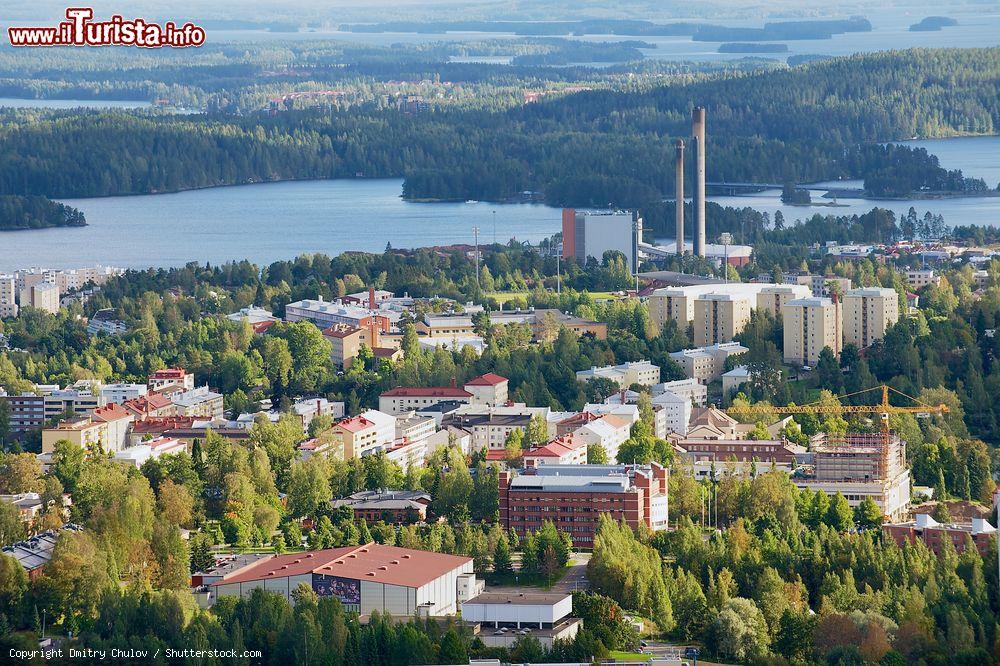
x: 111, y: 412
x: 426, y: 392
x: 489, y: 379
x: 355, y: 424
x: 169, y: 373
x: 370, y: 562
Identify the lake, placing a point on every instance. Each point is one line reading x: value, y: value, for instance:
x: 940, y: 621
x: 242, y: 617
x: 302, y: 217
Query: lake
x: 270, y: 221
x: 17, y: 103
x: 890, y: 29
x: 265, y: 222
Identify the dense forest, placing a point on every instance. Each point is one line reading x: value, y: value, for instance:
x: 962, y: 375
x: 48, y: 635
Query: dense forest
x: 36, y: 212
x: 813, y: 122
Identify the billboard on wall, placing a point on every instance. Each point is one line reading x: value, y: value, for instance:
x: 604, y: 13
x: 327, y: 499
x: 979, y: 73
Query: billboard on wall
x: 347, y: 590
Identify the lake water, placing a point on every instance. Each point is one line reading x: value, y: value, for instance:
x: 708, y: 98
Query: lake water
x: 890, y: 30
x: 265, y: 222
x: 16, y: 103
x: 270, y: 221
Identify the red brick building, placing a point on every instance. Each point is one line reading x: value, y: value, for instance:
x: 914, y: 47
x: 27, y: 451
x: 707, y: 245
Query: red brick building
x: 574, y: 497
x: 934, y: 534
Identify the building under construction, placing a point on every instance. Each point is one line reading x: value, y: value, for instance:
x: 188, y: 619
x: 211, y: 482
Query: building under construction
x: 859, y: 466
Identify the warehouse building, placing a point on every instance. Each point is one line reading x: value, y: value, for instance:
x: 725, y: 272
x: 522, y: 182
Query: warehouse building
x: 367, y: 578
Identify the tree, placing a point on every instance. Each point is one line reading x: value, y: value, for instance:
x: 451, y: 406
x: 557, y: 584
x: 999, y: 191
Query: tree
x: 484, y: 502
x: 452, y: 649
x: 175, y: 503
x: 597, y: 454
x: 741, y: 632
x: 19, y: 473
x: 502, y: 564
x: 839, y: 516
x: 868, y: 515
x: 67, y: 463
x: 537, y: 432
x: 12, y: 527
x: 309, y: 487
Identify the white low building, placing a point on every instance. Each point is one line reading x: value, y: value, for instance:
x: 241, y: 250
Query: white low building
x: 625, y: 375
x: 690, y: 389
x: 506, y: 617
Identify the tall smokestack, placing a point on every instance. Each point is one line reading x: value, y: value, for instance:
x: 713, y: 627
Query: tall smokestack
x: 698, y: 130
x: 679, y: 194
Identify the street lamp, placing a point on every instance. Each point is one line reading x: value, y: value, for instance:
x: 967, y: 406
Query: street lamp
x: 726, y: 239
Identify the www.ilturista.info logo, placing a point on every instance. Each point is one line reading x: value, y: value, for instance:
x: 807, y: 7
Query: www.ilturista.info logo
x: 80, y: 30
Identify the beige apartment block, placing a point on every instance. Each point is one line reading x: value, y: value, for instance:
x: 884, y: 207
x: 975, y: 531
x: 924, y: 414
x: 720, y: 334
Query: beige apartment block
x: 719, y: 317
x: 8, y: 293
x: 676, y: 304
x: 867, y: 313
x: 773, y: 298
x: 810, y: 324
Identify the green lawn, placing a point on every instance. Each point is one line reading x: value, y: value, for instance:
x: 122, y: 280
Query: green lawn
x: 504, y: 296
x: 618, y: 655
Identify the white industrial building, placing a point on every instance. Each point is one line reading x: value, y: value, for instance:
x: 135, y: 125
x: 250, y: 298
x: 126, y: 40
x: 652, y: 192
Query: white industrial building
x: 368, y: 578
x: 503, y: 617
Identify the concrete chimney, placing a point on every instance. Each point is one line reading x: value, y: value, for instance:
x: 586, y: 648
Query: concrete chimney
x: 698, y: 130
x: 679, y: 194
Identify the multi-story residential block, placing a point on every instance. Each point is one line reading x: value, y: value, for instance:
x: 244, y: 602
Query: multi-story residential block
x: 167, y: 377
x: 774, y: 297
x: 608, y: 431
x: 71, y: 401
x: 27, y: 411
x: 201, y: 402
x: 719, y: 318
x: 626, y: 374
x: 368, y: 432
x: 706, y: 364
x: 489, y: 426
x: 8, y: 296
x: 919, y: 278
x: 934, y: 535
x: 810, y: 325
x: 403, y: 399
x: 43, y: 296
x: 150, y: 405
x: 106, y: 428
x: 868, y: 313
x: 121, y: 393
x: 569, y: 449
x: 676, y: 412
x: 575, y: 496
x: 488, y: 389
x: 106, y: 322
x: 823, y: 286
x: 671, y: 303
x: 734, y: 379
x: 345, y: 343
x: 691, y: 389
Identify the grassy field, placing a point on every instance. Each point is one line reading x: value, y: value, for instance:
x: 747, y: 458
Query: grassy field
x: 618, y: 655
x: 504, y: 296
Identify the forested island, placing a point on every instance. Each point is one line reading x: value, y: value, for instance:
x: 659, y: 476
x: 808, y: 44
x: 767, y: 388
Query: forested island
x: 36, y: 212
x: 933, y: 23
x: 750, y: 47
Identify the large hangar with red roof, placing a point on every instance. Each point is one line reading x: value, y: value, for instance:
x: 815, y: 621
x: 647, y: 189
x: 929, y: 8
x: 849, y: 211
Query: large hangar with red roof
x: 365, y: 578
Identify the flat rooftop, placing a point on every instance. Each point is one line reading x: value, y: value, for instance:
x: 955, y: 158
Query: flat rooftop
x: 530, y: 599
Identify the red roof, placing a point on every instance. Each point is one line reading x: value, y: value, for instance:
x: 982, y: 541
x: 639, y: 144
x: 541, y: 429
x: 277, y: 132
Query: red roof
x: 169, y: 373
x: 370, y: 562
x: 426, y: 392
x: 161, y: 424
x: 558, y: 447
x: 111, y: 412
x: 147, y: 403
x: 340, y: 331
x: 581, y: 418
x: 494, y: 455
x: 355, y: 424
x: 489, y: 379
x: 262, y: 326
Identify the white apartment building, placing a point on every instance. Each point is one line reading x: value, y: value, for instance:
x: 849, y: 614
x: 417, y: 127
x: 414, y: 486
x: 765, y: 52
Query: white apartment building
x: 690, y: 389
x: 119, y: 393
x: 625, y: 374
x: 868, y: 313
x: 706, y: 364
x: 8, y: 296
x: 609, y: 431
x: 810, y: 324
x: 676, y: 411
x: 922, y: 277
x: 201, y: 402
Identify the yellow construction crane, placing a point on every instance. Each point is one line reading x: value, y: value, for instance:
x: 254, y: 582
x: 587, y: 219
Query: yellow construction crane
x: 883, y: 409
